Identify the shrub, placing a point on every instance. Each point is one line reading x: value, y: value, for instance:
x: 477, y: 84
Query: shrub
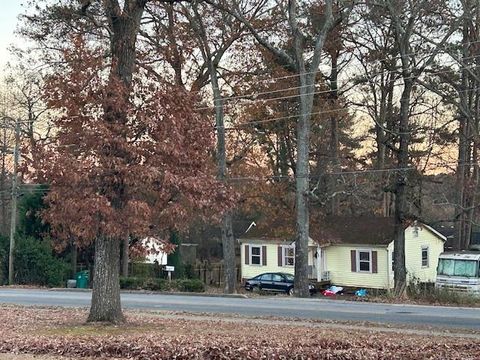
x: 131, y: 283
x: 156, y: 284
x: 36, y: 264
x: 190, y: 285
x: 427, y: 292
x: 187, y: 285
x: 141, y: 270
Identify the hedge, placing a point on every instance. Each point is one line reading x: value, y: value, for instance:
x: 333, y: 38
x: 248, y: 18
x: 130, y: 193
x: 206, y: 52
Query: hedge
x: 185, y: 285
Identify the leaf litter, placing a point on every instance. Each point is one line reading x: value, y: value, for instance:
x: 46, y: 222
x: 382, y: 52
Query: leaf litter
x: 63, y: 332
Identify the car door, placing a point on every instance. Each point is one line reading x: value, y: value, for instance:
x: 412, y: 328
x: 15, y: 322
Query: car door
x: 278, y: 283
x: 266, y: 282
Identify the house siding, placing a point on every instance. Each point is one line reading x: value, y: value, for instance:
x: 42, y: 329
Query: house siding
x: 413, y: 253
x: 338, y: 260
x: 339, y: 264
x: 249, y: 271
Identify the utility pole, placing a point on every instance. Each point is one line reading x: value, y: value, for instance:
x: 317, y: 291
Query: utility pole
x: 3, y: 176
x: 13, y: 222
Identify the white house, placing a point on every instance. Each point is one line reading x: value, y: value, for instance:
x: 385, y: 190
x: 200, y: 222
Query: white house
x: 347, y: 251
x: 154, y: 251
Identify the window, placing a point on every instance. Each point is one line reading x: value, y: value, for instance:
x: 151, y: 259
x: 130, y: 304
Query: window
x: 288, y: 255
x: 255, y: 255
x: 364, y: 258
x: 266, y: 277
x: 425, y: 262
x: 451, y: 267
x: 277, y: 278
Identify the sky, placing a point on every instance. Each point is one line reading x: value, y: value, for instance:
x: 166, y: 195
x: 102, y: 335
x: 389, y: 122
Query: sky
x: 8, y: 22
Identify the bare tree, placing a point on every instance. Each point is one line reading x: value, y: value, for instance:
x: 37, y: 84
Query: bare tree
x: 406, y: 19
x: 307, y: 30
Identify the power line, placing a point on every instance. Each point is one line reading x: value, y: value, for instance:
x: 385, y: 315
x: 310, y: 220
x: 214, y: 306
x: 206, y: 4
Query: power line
x: 374, y: 60
x: 237, y: 127
x: 368, y: 77
x: 293, y: 177
x: 250, y: 123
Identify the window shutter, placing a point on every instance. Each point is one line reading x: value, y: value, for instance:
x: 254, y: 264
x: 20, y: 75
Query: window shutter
x: 264, y: 256
x: 374, y: 262
x: 280, y: 262
x: 247, y: 255
x: 353, y: 260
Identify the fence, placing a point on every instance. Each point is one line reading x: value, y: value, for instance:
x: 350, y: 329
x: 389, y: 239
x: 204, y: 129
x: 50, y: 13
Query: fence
x: 213, y: 274
x: 210, y: 273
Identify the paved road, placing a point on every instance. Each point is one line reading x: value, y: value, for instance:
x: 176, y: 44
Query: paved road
x: 461, y: 318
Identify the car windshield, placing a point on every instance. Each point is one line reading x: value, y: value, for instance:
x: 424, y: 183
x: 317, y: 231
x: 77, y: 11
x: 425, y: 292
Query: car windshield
x: 289, y: 277
x: 452, y: 267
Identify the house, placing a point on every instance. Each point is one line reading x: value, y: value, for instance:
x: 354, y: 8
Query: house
x: 154, y: 251
x: 347, y: 251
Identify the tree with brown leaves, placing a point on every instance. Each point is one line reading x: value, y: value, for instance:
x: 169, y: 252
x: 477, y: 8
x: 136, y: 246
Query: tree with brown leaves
x: 129, y: 156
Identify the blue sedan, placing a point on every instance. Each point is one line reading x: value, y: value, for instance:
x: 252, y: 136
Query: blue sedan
x: 277, y: 282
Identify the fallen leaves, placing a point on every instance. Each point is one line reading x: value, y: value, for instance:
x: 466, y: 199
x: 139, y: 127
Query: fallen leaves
x: 147, y: 336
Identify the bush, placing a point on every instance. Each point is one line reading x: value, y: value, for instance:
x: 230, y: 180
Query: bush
x: 190, y: 285
x: 131, y: 283
x: 156, y: 284
x: 36, y: 264
x: 142, y: 270
x: 427, y: 292
x: 187, y: 285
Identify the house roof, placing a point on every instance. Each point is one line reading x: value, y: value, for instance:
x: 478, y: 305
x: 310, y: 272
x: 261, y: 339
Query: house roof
x: 363, y: 230
x: 355, y: 230
x: 332, y: 230
x: 271, y: 231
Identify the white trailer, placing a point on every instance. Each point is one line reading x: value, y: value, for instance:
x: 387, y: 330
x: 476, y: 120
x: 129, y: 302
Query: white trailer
x: 459, y: 271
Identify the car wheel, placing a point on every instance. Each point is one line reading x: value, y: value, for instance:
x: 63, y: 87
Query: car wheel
x: 256, y: 289
x: 290, y: 291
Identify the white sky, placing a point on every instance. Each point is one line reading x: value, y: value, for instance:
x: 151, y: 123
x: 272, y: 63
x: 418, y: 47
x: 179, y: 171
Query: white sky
x: 8, y: 22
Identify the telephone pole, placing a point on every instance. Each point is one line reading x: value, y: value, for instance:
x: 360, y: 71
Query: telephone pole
x: 13, y: 221
x: 3, y: 182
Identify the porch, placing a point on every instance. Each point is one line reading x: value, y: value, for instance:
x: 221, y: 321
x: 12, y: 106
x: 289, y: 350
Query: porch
x: 317, y: 265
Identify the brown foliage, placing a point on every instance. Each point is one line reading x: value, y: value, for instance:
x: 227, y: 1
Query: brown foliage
x: 113, y: 174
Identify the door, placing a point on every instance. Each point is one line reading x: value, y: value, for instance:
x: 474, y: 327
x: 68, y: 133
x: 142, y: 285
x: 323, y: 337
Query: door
x: 279, y: 283
x: 266, y: 282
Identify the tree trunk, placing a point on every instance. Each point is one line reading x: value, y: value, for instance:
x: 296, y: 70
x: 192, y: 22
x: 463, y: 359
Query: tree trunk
x: 228, y: 240
x: 464, y: 124
x: 106, y: 305
x: 302, y: 185
x: 460, y: 185
x: 124, y: 26
x: 334, y: 135
x: 125, y: 255
x: 229, y: 259
x: 74, y: 258
x: 3, y: 177
x: 385, y: 119
x: 401, y: 195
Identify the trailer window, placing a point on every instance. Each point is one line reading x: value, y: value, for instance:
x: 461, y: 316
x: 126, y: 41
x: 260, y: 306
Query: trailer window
x: 450, y: 267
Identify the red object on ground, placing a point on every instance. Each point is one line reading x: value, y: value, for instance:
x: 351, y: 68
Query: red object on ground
x: 328, y: 293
